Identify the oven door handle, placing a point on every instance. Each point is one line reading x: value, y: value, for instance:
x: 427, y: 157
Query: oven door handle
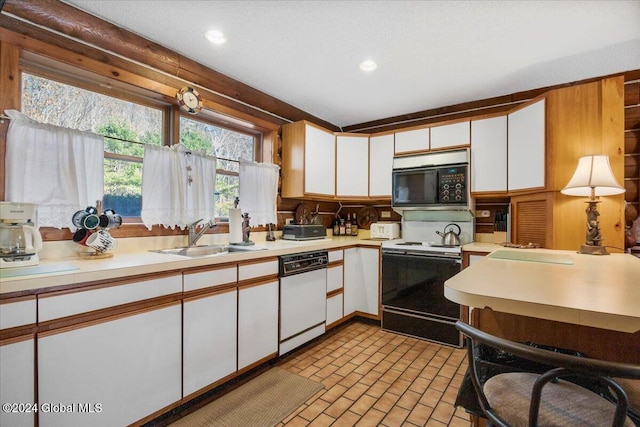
x: 424, y: 256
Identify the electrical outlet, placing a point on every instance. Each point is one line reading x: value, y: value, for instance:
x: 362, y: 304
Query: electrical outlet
x: 288, y: 221
x: 385, y: 214
x: 483, y: 214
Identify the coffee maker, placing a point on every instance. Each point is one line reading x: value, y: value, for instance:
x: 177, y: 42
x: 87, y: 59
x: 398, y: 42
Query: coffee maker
x: 20, y: 240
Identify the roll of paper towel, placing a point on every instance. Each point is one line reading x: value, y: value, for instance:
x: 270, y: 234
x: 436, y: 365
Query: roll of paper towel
x: 235, y: 225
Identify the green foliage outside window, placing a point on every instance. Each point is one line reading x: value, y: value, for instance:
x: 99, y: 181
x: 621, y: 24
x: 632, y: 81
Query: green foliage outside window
x: 127, y: 126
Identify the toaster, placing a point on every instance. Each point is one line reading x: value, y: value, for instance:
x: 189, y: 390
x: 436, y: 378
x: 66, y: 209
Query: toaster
x: 385, y: 230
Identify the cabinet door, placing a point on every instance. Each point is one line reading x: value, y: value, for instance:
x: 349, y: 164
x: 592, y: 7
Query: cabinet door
x: 526, y: 147
x: 370, y: 258
x: 209, y: 339
x: 257, y: 323
x: 451, y: 135
x: 489, y: 155
x: 334, y: 309
x: 130, y: 367
x: 352, y: 173
x: 17, y: 386
x: 361, y: 280
x: 380, y: 165
x: 334, y: 278
x: 412, y: 140
x: 319, y: 161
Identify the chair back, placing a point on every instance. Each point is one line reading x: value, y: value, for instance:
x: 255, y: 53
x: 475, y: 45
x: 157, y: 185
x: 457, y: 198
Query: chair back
x: 559, y: 366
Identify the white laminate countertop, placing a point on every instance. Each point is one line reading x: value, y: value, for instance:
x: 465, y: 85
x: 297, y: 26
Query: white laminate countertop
x: 77, y: 271
x: 598, y: 291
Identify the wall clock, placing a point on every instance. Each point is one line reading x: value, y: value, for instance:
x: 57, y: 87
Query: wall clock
x: 189, y: 100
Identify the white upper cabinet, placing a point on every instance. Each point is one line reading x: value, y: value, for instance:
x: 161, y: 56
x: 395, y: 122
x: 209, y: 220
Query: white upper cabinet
x: 489, y: 155
x: 451, y: 135
x: 319, y: 161
x: 380, y: 165
x: 526, y: 147
x: 412, y: 140
x: 308, y: 161
x: 352, y: 168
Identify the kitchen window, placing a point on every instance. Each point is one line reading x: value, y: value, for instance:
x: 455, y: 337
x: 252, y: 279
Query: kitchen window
x: 229, y: 146
x: 128, y: 122
x: 126, y: 125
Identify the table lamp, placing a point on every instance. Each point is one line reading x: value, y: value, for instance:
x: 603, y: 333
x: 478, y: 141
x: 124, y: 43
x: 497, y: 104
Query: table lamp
x: 593, y: 178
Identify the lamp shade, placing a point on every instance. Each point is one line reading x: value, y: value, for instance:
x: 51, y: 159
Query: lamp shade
x: 593, y: 172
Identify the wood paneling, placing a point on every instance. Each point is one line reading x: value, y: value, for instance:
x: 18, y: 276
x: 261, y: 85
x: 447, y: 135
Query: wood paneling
x: 632, y: 142
x: 632, y: 117
x: 9, y: 95
x: 594, y: 342
x: 632, y: 94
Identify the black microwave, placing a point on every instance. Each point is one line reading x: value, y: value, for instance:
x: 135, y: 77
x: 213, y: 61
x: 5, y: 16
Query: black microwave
x: 431, y: 186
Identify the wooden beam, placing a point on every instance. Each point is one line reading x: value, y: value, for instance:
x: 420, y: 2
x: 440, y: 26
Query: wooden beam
x: 72, y: 22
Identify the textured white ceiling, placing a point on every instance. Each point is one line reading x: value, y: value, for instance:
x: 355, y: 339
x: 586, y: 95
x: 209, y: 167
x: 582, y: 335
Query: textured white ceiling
x: 430, y: 53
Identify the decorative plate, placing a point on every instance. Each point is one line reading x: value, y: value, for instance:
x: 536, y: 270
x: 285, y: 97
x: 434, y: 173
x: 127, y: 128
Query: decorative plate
x: 367, y: 216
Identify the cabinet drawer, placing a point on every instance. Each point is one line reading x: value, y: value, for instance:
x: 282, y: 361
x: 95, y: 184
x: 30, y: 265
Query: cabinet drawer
x: 258, y: 269
x: 334, y: 278
x: 205, y: 279
x: 334, y: 309
x: 17, y: 313
x: 336, y: 256
x: 83, y: 301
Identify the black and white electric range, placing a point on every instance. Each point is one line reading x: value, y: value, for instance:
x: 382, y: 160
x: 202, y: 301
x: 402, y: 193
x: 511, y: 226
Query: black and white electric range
x: 413, y: 276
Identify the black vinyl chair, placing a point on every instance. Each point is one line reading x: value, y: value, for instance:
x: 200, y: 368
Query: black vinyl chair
x: 515, y: 399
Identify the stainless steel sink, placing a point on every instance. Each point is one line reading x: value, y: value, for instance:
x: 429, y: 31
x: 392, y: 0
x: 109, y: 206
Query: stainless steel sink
x: 207, y: 250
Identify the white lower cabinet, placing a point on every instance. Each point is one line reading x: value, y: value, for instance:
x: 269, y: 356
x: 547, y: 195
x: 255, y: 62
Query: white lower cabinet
x: 335, y: 278
x: 111, y: 373
x: 17, y: 384
x: 209, y: 339
x: 257, y: 322
x: 334, y: 308
x: 361, y: 280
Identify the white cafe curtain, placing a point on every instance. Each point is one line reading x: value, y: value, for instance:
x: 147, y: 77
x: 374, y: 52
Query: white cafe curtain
x: 59, y: 169
x: 259, y: 191
x: 177, y: 186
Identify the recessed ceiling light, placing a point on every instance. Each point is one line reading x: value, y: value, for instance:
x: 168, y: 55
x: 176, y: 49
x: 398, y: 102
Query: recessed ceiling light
x: 215, y: 36
x: 368, y: 65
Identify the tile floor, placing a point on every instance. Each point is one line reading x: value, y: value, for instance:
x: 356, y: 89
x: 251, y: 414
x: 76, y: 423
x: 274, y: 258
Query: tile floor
x: 377, y: 378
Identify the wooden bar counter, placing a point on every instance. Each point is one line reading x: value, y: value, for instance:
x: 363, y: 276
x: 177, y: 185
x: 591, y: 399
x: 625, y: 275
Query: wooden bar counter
x: 580, y: 302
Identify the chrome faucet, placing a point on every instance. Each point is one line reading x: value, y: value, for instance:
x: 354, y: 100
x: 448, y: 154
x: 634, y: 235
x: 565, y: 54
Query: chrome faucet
x: 194, y: 235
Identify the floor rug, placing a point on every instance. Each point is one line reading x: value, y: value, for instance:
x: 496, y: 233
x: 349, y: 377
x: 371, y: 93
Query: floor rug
x: 262, y: 402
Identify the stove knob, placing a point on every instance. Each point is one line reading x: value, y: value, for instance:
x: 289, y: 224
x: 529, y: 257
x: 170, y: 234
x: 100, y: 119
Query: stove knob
x: 458, y: 185
x: 446, y: 186
x: 445, y: 198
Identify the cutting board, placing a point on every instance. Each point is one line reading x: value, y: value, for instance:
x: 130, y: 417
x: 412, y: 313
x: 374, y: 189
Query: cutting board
x: 6, y: 273
x: 516, y: 255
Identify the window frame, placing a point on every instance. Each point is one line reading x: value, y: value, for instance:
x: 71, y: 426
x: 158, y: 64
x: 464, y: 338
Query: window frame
x: 89, y: 80
x: 213, y: 119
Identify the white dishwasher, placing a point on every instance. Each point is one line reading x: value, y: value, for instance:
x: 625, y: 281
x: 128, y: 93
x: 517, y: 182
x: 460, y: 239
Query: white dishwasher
x: 303, y: 298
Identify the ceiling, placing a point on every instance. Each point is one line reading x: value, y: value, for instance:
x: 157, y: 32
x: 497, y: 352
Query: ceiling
x: 430, y: 54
